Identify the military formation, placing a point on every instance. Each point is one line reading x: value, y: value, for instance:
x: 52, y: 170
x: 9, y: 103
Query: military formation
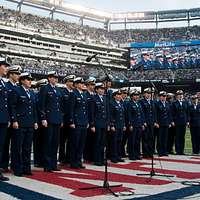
x: 71, y: 124
x: 164, y: 59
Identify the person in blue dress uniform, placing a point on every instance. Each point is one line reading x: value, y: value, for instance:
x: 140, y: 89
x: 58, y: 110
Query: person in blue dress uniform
x: 23, y: 115
x: 4, y: 114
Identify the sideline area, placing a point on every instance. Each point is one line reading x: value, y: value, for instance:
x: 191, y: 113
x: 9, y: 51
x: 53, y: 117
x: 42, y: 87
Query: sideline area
x: 67, y: 183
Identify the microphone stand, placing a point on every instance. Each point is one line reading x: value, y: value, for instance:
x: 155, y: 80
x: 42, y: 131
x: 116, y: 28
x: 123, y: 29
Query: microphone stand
x: 152, y: 172
x: 106, y: 184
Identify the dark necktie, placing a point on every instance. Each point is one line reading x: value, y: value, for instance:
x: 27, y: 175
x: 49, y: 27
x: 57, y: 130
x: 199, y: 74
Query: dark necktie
x: 164, y: 104
x: 2, y: 82
x: 101, y: 98
x: 81, y: 95
x: 54, y: 89
x: 28, y: 93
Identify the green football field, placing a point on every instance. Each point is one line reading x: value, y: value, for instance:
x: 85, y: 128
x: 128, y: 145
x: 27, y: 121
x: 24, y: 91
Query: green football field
x: 188, y: 143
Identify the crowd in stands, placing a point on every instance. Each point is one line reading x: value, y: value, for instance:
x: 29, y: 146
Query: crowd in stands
x: 91, y: 34
x: 76, y: 31
x: 56, y: 27
x: 63, y: 69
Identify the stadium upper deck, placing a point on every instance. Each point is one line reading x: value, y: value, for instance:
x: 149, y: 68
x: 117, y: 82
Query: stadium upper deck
x: 109, y: 19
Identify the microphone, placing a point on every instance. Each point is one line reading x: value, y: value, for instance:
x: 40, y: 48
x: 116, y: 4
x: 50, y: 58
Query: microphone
x: 89, y: 58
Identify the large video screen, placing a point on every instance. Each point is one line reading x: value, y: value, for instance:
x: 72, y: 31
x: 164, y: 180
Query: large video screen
x: 165, y: 58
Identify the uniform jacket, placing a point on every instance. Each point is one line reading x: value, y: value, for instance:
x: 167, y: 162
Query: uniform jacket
x: 194, y: 115
x: 101, y: 112
x: 117, y: 115
x: 135, y: 114
x: 149, y: 111
x: 65, y: 95
x: 50, y: 104
x: 180, y: 113
x: 90, y: 103
x: 78, y: 109
x: 22, y: 108
x: 164, y: 117
x: 4, y: 112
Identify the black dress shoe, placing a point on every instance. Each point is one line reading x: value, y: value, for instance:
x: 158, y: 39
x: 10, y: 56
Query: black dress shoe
x: 74, y: 166
x: 132, y: 158
x: 48, y: 170
x: 114, y: 161
x: 82, y: 167
x: 38, y: 165
x: 19, y: 174
x: 147, y: 156
x: 98, y: 164
x: 28, y: 173
x: 3, y: 178
x: 56, y: 169
x: 120, y: 160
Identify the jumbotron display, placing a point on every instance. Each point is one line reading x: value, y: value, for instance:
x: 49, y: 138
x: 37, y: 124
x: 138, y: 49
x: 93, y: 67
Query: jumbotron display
x: 167, y: 55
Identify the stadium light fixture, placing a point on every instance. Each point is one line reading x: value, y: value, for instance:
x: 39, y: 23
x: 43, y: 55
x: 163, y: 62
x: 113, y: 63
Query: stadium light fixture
x: 82, y: 9
x: 117, y: 16
x: 135, y: 15
x: 56, y: 2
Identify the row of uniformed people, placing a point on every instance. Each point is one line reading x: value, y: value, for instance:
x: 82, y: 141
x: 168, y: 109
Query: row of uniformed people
x: 18, y: 120
x: 160, y: 115
x: 4, y: 112
x: 166, y: 122
x: 185, y: 114
x: 79, y: 115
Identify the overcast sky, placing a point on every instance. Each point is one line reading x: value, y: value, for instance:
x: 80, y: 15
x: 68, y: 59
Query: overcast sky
x: 137, y: 5
x: 132, y: 5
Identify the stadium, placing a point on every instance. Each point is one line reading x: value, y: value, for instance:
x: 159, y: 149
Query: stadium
x: 66, y: 45
x: 55, y: 39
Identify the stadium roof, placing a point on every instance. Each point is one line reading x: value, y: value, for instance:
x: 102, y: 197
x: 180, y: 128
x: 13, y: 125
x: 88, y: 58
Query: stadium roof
x: 62, y: 7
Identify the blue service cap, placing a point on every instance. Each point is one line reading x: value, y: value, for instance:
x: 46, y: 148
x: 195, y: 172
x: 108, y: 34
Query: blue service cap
x: 3, y: 61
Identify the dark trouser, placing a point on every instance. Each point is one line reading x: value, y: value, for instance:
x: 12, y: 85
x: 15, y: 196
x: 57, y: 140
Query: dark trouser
x: 6, y: 151
x: 155, y: 143
x: 180, y: 138
x: 38, y: 141
x: 162, y: 140
x: 148, y: 141
x: 88, y: 154
x: 99, y: 145
x: 51, y: 141
x: 21, y: 146
x: 108, y: 141
x: 134, y: 143
x: 64, y: 147
x: 195, y: 137
x: 3, y: 132
x: 116, y: 142
x: 124, y: 143
x: 171, y: 139
x: 77, y: 145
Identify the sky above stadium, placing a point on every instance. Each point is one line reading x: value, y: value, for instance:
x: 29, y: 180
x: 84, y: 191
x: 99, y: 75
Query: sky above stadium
x: 136, y: 5
x: 120, y: 6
